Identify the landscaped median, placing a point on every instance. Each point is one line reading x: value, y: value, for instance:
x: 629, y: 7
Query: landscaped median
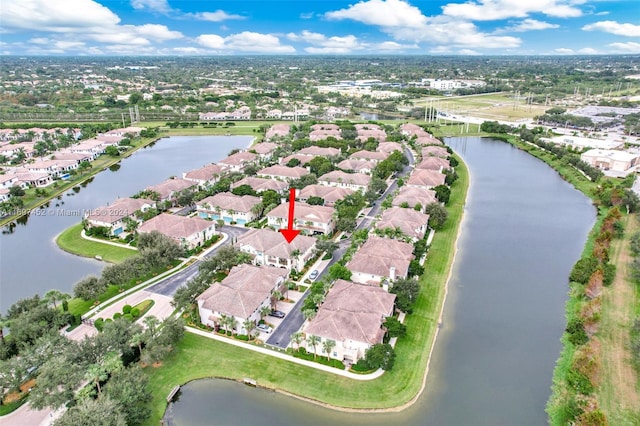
x: 71, y: 241
x: 200, y: 357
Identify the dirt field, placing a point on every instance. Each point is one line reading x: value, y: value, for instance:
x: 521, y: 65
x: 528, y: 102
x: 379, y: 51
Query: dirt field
x: 618, y: 393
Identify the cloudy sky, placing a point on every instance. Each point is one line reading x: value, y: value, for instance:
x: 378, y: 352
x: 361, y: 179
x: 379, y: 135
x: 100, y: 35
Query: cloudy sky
x: 305, y: 27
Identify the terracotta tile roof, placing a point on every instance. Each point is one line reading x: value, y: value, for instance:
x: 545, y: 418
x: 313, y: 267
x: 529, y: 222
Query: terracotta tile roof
x: 370, y: 155
x: 338, y: 176
x: 352, y: 312
x: 330, y: 194
x: 243, y: 290
x: 169, y: 186
x: 272, y: 243
x: 408, y: 221
x: 205, y: 173
x: 304, y: 159
x: 229, y: 201
x: 264, y: 147
x: 414, y: 195
x: 239, y: 158
x: 356, y: 165
x: 433, y: 163
x: 284, y: 172
x: 120, y: 208
x: 389, y: 147
x: 426, y: 178
x: 435, y: 151
x: 377, y: 255
x: 174, y: 226
x: 304, y: 212
x: 261, y: 184
x: 319, y: 151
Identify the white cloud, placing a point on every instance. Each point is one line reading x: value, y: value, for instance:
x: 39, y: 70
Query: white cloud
x: 392, y: 45
x: 321, y: 44
x: 564, y: 51
x: 628, y: 47
x: 384, y: 13
x: 604, y: 12
x: 308, y: 36
x: 307, y: 15
x: 217, y: 16
x: 613, y: 27
x: 61, y: 17
x: 491, y: 10
x: 155, y: 31
x: 245, y: 41
x: 588, y: 51
x: 407, y: 23
x: 528, y: 25
x: 468, y: 52
x: 155, y: 5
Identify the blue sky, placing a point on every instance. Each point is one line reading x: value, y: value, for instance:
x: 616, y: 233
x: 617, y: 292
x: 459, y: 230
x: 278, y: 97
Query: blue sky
x: 304, y: 27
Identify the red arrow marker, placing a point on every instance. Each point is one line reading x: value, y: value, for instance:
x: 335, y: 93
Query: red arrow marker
x: 289, y: 233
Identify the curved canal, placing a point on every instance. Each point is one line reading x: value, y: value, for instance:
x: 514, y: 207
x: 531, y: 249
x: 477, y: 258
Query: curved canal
x: 523, y: 229
x: 30, y: 261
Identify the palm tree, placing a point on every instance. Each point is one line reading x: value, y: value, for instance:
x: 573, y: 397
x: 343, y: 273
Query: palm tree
x: 309, y: 314
x: 137, y: 339
x: 297, y: 338
x: 275, y: 296
x: 52, y: 296
x: 314, y: 341
x: 264, y: 311
x: 232, y: 321
x: 328, y: 345
x: 249, y: 326
x: 151, y: 323
x: 4, y: 322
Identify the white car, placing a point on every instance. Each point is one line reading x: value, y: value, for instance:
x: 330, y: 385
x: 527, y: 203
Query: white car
x: 265, y: 328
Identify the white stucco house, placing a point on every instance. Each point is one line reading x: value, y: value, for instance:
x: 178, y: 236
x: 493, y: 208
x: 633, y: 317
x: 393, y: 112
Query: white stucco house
x: 270, y: 248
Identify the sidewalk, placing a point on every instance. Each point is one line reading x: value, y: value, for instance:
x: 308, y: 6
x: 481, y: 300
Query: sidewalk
x: 84, y: 235
x: 264, y: 351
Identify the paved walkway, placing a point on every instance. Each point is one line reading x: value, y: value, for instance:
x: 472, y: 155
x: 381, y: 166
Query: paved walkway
x: 84, y: 235
x: 27, y: 416
x: 333, y: 370
x: 161, y: 309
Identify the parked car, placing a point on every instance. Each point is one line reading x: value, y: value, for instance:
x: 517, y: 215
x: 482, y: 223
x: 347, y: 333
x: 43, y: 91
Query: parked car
x: 265, y: 328
x: 313, y: 275
x: 277, y: 314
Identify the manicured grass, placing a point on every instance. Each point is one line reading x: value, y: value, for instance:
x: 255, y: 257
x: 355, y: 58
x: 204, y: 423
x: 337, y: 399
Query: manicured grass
x: 394, y: 388
x: 144, y: 306
x: 71, y: 241
x: 12, y: 406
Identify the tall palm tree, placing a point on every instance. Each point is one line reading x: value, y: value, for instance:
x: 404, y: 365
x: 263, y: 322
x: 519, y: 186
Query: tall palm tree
x: 53, y: 296
x: 249, y: 326
x: 4, y: 322
x: 264, y: 311
x: 297, y: 338
x: 314, y: 341
x: 327, y: 346
x: 232, y: 321
x: 275, y: 296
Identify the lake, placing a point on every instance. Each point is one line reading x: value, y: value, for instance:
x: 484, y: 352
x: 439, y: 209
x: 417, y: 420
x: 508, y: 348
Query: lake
x: 524, y: 227
x: 30, y: 260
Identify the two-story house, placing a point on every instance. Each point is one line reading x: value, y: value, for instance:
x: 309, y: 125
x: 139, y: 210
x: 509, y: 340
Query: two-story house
x: 230, y: 208
x: 311, y: 220
x: 270, y: 248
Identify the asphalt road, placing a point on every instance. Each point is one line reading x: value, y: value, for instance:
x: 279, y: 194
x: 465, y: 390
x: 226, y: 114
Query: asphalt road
x: 168, y: 286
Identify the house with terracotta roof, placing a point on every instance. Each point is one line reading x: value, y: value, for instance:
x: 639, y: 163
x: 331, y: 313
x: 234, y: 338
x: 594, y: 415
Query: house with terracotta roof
x: 262, y: 184
x: 428, y: 140
x: 303, y: 159
x: 433, y: 163
x: 412, y: 196
x: 28, y: 179
x: 4, y: 195
x: 230, y: 208
x: 435, y: 151
x: 356, y: 181
x: 379, y: 259
x: 189, y: 232
x: 113, y: 215
x: 411, y: 223
x: 277, y: 130
x: 324, y: 131
x: 204, y: 176
x: 358, y: 166
x: 374, y: 156
x: 352, y: 315
x: 283, y: 172
x: 310, y: 220
x: 55, y: 168
x: 389, y: 147
x: 270, y: 248
x: 366, y: 131
x: 241, y: 295
x: 8, y: 180
x: 330, y: 194
x: 425, y: 178
x: 411, y: 130
x: 264, y: 150
x: 238, y: 161
x: 317, y: 151
x: 168, y: 189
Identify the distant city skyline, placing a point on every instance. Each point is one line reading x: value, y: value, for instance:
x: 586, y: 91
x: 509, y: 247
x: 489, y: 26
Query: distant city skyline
x: 298, y: 27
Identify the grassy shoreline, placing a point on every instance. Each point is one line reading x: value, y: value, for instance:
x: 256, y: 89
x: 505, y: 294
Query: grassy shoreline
x: 71, y: 241
x: 391, y: 392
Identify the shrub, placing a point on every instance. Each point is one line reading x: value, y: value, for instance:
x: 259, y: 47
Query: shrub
x: 128, y: 317
x: 65, y: 306
x: 609, y: 274
x: 135, y: 312
x: 99, y: 323
x: 126, y: 309
x: 242, y: 337
x: 579, y: 382
x: 583, y: 269
x: 577, y: 334
x: 117, y: 315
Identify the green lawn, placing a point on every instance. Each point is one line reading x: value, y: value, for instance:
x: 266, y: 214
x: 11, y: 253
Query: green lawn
x: 71, y: 241
x: 198, y: 357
